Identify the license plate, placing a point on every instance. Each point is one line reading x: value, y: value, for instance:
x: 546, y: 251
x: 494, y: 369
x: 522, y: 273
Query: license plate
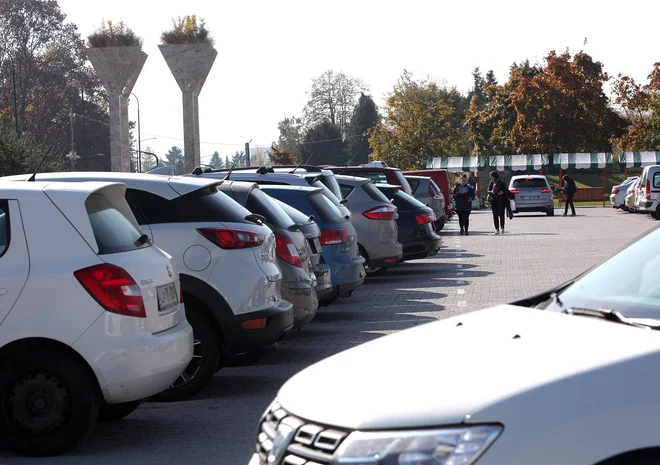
x: 323, y: 276
x: 530, y: 197
x: 167, y: 297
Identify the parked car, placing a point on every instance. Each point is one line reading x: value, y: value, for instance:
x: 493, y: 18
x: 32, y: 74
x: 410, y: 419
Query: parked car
x: 293, y: 255
x: 441, y: 179
x: 618, y: 195
x: 339, y: 244
x: 428, y: 192
x: 649, y: 191
x: 533, y: 194
x: 312, y: 233
x: 374, y: 221
x: 227, y: 262
x: 415, y: 223
x: 528, y: 401
x: 378, y: 172
x: 91, y: 316
x: 631, y: 197
x: 268, y: 176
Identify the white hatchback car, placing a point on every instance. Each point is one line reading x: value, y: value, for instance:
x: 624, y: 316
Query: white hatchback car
x: 91, y: 317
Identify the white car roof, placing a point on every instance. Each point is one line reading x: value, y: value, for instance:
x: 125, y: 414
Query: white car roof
x: 524, y: 176
x: 168, y: 187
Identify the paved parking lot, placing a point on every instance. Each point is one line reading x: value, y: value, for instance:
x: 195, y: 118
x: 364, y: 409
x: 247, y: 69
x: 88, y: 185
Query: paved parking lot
x: 471, y: 272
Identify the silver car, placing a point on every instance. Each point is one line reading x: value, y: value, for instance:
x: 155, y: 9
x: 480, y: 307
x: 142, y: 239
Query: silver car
x: 533, y: 194
x: 428, y: 192
x: 374, y: 218
x: 618, y: 195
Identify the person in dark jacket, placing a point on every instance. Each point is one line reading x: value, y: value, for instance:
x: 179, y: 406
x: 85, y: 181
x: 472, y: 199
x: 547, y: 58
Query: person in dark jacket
x: 570, y: 188
x: 463, y: 196
x: 497, y: 191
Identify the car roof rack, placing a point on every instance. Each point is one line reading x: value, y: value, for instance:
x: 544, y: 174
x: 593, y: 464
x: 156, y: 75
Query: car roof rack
x: 309, y: 168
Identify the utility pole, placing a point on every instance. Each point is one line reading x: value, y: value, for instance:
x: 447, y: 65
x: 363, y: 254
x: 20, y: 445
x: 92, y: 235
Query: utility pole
x: 84, y: 135
x: 13, y: 78
x: 73, y: 143
x: 247, y: 152
x: 139, y: 138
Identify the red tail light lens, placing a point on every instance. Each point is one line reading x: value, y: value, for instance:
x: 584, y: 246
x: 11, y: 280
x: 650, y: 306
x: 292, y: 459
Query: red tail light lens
x: 514, y: 191
x: 285, y: 250
x: 434, y: 195
x: 648, y: 189
x: 334, y: 236
x: 258, y: 323
x: 381, y: 213
x: 546, y: 190
x: 232, y: 238
x: 425, y: 218
x: 113, y: 288
x: 615, y: 190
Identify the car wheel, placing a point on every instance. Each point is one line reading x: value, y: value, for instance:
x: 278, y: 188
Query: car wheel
x: 207, y: 352
x: 115, y: 412
x: 48, y: 403
x: 656, y: 214
x: 551, y: 212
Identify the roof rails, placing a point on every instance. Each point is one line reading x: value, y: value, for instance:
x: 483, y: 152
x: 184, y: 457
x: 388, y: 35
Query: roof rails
x: 310, y: 168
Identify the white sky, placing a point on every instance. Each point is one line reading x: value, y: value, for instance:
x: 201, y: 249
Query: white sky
x: 268, y: 51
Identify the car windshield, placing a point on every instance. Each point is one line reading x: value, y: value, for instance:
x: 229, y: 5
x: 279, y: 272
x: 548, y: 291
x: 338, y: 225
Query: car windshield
x: 114, y: 233
x: 374, y: 193
x: 627, y: 283
x: 262, y: 204
x: 328, y: 211
x: 526, y: 183
x: 404, y: 201
x: 331, y: 183
x: 296, y: 215
x: 327, y: 192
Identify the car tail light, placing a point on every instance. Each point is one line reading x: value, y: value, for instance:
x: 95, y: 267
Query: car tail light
x: 113, y: 288
x: 514, y: 191
x: 232, y: 238
x: 434, y: 195
x: 546, y: 190
x: 425, y: 218
x: 615, y: 190
x: 334, y: 236
x: 381, y: 213
x: 285, y: 250
x: 648, y: 189
x: 258, y: 323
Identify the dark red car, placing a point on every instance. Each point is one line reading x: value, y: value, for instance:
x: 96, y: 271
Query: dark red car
x: 378, y: 171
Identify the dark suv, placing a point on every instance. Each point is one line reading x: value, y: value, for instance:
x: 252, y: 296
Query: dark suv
x: 379, y: 172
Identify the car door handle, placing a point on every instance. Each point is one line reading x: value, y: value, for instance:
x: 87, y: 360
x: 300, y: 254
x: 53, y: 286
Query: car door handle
x: 3, y: 291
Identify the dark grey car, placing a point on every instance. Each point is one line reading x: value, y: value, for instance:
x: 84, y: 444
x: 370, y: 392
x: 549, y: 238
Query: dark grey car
x: 427, y: 191
x: 293, y: 258
x: 374, y: 218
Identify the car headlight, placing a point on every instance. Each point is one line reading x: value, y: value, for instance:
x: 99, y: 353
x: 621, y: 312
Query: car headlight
x: 456, y: 446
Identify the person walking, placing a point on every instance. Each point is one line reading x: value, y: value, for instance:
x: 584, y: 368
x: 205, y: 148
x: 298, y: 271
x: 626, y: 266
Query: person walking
x: 497, y: 193
x: 464, y: 194
x: 569, y: 188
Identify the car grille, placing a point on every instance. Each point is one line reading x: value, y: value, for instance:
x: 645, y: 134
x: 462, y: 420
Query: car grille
x: 297, y: 442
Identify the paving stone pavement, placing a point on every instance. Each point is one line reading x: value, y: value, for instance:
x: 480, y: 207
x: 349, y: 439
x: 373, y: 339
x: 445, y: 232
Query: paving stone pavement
x: 471, y: 272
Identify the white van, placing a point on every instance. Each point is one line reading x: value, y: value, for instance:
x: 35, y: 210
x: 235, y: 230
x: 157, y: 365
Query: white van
x: 649, y: 195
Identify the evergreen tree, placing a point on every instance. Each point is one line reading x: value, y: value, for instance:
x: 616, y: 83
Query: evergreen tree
x: 364, y: 119
x: 216, y: 162
x: 324, y: 145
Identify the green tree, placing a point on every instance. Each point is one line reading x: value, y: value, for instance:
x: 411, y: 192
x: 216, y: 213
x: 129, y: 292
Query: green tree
x: 422, y: 120
x: 20, y: 155
x: 291, y: 136
x: 281, y: 156
x: 364, y: 119
x: 216, y: 162
x: 174, y: 157
x: 148, y: 161
x: 227, y: 162
x: 238, y: 159
x: 324, y: 145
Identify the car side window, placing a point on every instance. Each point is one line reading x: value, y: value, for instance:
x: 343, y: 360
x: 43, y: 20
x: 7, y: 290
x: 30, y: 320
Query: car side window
x: 414, y: 184
x: 656, y: 180
x: 345, y: 190
x: 152, y: 208
x: 4, y: 227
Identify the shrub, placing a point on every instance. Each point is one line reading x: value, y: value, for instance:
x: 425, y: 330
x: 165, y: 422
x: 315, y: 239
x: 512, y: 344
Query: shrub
x: 110, y: 35
x: 187, y: 31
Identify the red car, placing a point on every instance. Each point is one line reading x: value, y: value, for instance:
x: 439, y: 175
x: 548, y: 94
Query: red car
x: 378, y: 171
x: 441, y: 178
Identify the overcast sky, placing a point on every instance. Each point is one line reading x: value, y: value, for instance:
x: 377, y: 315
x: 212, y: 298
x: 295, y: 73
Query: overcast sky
x: 269, y: 50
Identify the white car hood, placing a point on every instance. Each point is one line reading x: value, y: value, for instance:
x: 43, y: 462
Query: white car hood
x: 477, y: 367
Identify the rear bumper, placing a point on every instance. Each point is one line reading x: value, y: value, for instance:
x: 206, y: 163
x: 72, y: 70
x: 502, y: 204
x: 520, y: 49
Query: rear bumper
x: 422, y: 248
x: 387, y: 261
x: 304, y: 300
x: 649, y: 206
x: 279, y: 321
x: 132, y: 364
x: 534, y: 207
x: 323, y: 281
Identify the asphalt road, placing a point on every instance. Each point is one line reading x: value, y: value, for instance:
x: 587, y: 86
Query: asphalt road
x: 471, y: 272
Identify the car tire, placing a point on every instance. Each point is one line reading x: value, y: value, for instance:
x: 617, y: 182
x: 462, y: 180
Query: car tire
x: 656, y: 214
x: 551, y: 212
x: 60, y: 387
x: 115, y: 412
x: 207, y: 354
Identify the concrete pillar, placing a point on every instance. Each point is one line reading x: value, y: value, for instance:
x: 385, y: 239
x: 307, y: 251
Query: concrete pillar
x: 118, y: 69
x: 190, y: 64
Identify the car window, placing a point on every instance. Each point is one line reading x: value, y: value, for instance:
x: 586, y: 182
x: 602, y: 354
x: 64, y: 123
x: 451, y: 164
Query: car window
x: 327, y: 210
x: 656, y: 180
x: 4, y: 227
x: 327, y: 192
x: 346, y: 190
x: 261, y: 204
x: 374, y: 193
x: 331, y: 183
x: 295, y: 214
x: 402, y: 180
x: 435, y: 187
x: 152, y: 208
x: 414, y: 184
x: 526, y: 183
x: 627, y: 283
x: 388, y: 192
x: 405, y: 201
x: 114, y: 233
x: 377, y: 176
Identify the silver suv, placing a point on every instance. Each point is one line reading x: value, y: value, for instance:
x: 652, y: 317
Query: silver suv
x: 533, y: 194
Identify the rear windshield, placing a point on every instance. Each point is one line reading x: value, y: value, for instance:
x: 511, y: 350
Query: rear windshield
x: 435, y: 187
x: 114, y: 233
x: 656, y: 180
x: 296, y: 215
x: 402, y: 180
x: 376, y: 176
x: 328, y: 193
x: 525, y: 183
x: 374, y: 193
x: 346, y: 190
x: 414, y: 184
x: 328, y: 211
x: 331, y: 183
x: 388, y: 192
x: 404, y: 201
x: 261, y: 204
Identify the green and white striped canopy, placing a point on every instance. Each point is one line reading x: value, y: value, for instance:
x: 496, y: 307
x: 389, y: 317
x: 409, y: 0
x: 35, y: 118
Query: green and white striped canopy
x: 583, y: 160
x: 631, y: 159
x: 518, y: 162
x: 457, y: 163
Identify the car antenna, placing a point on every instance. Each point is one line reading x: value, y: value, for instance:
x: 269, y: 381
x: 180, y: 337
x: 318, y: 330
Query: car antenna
x: 229, y: 172
x: 36, y: 170
x: 302, y: 163
x: 348, y: 163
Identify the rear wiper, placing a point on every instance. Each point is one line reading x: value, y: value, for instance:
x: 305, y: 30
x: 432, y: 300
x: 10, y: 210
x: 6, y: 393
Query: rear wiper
x: 254, y: 218
x: 343, y: 201
x: 611, y: 315
x: 293, y: 227
x: 143, y: 239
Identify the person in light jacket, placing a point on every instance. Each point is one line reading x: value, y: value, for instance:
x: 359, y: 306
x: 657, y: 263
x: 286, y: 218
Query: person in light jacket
x: 463, y: 196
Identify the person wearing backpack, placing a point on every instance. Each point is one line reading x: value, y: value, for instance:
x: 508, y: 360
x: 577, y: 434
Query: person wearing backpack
x: 570, y: 189
x: 498, y: 197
